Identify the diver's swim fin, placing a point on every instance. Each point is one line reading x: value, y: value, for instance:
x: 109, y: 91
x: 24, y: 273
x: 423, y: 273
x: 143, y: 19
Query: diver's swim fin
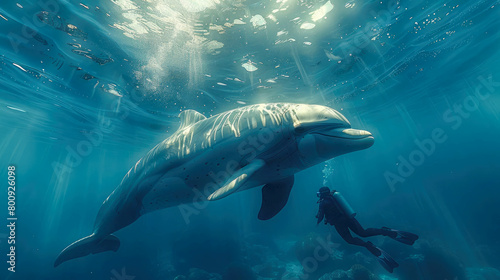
x: 86, y: 246
x: 404, y: 237
x: 385, y: 260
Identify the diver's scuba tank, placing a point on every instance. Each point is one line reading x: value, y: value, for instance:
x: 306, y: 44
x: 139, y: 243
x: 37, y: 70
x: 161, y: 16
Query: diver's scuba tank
x: 343, y: 204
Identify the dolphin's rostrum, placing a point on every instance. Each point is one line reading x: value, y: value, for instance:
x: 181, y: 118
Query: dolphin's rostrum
x: 257, y: 145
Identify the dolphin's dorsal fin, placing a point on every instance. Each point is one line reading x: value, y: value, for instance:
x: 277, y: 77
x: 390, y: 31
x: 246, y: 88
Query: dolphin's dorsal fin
x: 189, y: 117
x: 236, y: 181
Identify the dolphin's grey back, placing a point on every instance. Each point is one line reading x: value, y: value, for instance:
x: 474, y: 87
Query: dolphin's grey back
x: 206, y: 133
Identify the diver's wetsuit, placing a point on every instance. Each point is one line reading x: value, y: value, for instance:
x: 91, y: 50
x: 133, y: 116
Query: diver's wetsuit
x: 333, y: 215
x: 336, y: 212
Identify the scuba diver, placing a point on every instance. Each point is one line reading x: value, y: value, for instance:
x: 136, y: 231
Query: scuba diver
x: 338, y: 213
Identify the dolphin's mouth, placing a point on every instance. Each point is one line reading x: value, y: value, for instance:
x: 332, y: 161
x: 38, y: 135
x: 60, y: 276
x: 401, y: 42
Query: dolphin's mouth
x: 345, y: 133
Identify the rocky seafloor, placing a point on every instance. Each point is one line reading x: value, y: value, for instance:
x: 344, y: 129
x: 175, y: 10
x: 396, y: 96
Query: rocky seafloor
x: 218, y: 256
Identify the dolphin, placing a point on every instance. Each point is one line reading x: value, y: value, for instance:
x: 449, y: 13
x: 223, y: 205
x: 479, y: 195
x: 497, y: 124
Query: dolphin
x: 211, y: 158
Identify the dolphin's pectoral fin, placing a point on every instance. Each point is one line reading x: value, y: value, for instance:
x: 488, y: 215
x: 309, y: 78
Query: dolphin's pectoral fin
x: 237, y: 180
x: 86, y: 246
x: 274, y: 197
x: 229, y: 188
x: 189, y: 117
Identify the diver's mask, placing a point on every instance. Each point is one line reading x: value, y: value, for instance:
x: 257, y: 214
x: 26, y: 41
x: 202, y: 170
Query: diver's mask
x: 323, y: 192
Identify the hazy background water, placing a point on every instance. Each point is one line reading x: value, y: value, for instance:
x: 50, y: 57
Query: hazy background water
x: 125, y: 68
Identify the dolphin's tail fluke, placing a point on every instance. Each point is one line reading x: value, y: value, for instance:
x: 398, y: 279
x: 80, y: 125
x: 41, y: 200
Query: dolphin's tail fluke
x: 86, y: 246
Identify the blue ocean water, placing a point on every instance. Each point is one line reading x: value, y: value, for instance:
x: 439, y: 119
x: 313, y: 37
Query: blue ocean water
x: 89, y: 87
